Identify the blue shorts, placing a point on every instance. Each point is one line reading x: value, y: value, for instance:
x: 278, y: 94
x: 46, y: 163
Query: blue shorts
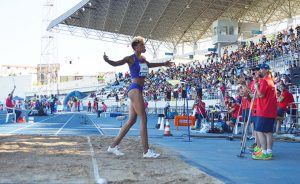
x: 233, y: 120
x: 264, y: 124
x: 135, y: 86
x: 253, y: 120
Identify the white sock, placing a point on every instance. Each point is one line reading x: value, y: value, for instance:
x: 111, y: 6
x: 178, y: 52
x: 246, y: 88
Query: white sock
x: 264, y: 151
x: 269, y: 151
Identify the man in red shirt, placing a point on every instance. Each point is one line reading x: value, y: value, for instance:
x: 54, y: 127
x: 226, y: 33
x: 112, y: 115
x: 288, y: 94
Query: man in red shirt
x: 78, y: 105
x: 9, y: 103
x: 266, y: 112
x: 248, y: 93
x: 284, y: 101
x: 95, y: 106
x: 89, y: 106
x: 253, y: 116
x: 235, y: 111
x: 200, y: 112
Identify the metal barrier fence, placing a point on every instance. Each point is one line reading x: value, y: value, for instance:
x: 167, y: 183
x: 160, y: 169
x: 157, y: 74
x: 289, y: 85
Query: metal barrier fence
x: 293, y: 119
x: 178, y: 109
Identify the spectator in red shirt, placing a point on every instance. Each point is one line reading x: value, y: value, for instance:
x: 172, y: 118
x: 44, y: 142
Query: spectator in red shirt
x: 9, y: 103
x: 78, y: 105
x: 95, y: 106
x: 245, y: 92
x: 266, y: 113
x: 253, y: 116
x: 284, y: 100
x: 235, y: 111
x: 103, y: 109
x: 89, y: 106
x: 200, y: 112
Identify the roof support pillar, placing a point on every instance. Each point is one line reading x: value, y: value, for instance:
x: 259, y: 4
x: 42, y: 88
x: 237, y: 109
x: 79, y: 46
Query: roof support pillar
x: 289, y: 22
x: 195, y: 47
x: 154, y: 48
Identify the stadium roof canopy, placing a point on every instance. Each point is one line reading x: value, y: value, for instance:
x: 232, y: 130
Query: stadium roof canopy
x: 169, y: 21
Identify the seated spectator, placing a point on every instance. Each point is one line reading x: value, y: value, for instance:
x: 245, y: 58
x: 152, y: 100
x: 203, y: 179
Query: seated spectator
x: 234, y: 110
x: 103, y: 109
x: 39, y: 109
x: 285, y: 100
x: 9, y: 103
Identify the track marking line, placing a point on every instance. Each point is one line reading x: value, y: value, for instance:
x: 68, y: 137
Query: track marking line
x: 32, y: 124
x: 98, y: 128
x: 118, y: 128
x: 64, y: 124
x: 95, y: 165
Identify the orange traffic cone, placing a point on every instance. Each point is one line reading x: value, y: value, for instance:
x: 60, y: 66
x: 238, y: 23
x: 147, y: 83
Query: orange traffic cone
x: 20, y: 120
x: 167, y: 129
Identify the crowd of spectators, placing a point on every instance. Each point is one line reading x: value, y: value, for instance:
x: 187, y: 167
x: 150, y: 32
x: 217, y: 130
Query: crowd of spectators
x: 220, y: 72
x: 41, y: 104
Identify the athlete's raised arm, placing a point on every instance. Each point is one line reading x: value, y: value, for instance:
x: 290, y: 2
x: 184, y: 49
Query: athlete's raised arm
x: 167, y: 64
x: 116, y: 63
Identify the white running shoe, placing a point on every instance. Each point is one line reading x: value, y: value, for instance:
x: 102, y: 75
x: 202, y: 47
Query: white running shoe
x: 150, y: 154
x: 115, y: 151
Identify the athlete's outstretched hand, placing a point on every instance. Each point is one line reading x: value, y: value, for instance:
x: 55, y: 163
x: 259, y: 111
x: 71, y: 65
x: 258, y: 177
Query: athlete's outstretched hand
x: 169, y: 63
x: 105, y: 57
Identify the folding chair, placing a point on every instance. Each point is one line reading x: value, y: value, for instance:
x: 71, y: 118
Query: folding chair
x: 292, y: 119
x: 12, y: 112
x: 236, y: 126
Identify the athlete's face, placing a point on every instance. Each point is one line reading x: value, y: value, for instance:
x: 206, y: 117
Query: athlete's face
x: 140, y: 47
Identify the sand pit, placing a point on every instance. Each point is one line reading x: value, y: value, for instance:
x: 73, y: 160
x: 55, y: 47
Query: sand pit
x: 66, y: 159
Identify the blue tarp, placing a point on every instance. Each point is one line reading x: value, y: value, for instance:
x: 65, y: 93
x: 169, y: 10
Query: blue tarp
x: 17, y: 98
x: 74, y: 94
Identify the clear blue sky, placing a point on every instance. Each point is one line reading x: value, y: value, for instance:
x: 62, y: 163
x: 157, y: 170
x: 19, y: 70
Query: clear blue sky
x: 21, y: 31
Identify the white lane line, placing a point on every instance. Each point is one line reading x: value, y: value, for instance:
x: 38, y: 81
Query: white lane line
x: 95, y: 165
x: 118, y: 129
x: 64, y: 125
x: 98, y: 128
x: 32, y: 124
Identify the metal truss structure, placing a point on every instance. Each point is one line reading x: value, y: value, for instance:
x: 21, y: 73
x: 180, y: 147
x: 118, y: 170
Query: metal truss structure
x: 169, y: 22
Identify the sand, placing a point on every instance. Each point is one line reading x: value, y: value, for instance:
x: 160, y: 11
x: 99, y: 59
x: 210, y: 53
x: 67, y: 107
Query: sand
x: 68, y: 159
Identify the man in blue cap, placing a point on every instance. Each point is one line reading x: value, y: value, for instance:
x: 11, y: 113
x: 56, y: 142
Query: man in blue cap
x: 266, y: 112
